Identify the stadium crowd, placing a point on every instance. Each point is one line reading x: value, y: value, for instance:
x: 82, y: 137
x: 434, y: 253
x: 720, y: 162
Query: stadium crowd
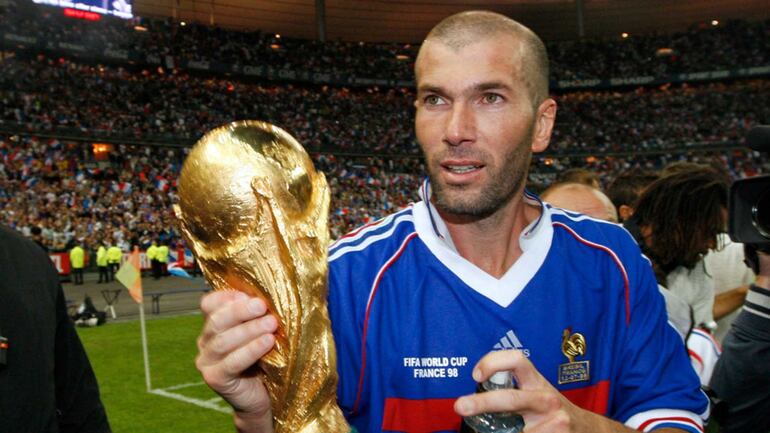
x: 63, y: 188
x: 703, y: 47
x: 59, y: 95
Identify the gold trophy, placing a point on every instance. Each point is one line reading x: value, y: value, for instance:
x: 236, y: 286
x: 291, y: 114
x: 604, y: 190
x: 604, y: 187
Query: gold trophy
x: 254, y: 212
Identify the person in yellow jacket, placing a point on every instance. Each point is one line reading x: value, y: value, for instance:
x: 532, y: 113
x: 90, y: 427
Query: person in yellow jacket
x: 152, y: 254
x: 162, y: 256
x: 101, y: 263
x: 114, y: 254
x: 77, y: 262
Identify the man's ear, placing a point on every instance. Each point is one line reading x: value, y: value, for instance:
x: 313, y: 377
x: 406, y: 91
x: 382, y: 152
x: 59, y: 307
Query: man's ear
x: 545, y: 117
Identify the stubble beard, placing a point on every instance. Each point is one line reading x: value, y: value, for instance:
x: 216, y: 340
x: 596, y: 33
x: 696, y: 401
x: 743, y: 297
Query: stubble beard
x: 502, y: 184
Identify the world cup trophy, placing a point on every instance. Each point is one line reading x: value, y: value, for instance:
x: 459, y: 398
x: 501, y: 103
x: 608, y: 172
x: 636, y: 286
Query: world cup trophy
x: 254, y: 211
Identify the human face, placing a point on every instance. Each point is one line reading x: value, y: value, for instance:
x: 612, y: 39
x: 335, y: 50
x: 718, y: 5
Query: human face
x: 475, y: 123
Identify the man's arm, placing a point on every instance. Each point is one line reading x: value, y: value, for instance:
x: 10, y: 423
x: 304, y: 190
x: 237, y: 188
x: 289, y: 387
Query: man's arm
x: 729, y: 301
x: 543, y: 408
x: 77, y: 392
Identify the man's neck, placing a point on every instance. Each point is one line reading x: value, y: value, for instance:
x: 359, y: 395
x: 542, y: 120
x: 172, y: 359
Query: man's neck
x: 492, y: 243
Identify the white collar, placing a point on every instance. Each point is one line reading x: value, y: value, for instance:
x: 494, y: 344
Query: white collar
x: 535, y: 242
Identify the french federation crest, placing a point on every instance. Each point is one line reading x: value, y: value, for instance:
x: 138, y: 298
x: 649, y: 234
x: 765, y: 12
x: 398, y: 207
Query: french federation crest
x: 572, y: 346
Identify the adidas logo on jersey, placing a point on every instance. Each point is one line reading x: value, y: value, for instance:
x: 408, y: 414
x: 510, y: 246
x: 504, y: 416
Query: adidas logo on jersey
x: 510, y: 341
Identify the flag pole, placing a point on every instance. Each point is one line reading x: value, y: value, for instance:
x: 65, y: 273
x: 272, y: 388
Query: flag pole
x: 130, y: 275
x: 144, y: 348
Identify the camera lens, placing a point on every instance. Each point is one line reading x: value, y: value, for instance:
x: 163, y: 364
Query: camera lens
x: 761, y: 213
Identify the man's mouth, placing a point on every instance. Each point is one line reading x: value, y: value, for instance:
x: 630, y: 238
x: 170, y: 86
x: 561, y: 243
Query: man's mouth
x: 460, y: 169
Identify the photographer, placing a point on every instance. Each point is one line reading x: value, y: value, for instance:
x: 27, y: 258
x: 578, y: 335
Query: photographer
x: 741, y: 376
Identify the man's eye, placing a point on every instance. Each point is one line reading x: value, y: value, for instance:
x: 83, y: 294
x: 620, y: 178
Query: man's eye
x: 491, y: 98
x: 432, y: 100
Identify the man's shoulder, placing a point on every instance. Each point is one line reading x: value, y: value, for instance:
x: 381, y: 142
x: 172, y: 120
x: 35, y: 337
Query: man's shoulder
x: 377, y: 239
x: 15, y: 246
x: 24, y: 262
x: 588, y: 230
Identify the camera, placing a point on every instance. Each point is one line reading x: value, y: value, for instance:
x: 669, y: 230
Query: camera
x: 749, y: 214
x: 750, y: 210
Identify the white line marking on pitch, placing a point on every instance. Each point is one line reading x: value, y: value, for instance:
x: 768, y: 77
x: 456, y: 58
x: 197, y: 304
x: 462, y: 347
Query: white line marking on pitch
x: 205, y: 404
x: 184, y: 385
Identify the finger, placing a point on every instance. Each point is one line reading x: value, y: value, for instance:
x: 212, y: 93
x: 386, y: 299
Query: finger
x: 211, y: 303
x: 216, y: 299
x: 244, y: 357
x: 527, y: 376
x: 507, y: 400
x: 222, y: 374
x: 233, y: 313
x: 227, y: 341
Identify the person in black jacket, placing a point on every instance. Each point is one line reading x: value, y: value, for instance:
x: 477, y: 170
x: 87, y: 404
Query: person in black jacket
x: 741, y: 377
x: 46, y: 381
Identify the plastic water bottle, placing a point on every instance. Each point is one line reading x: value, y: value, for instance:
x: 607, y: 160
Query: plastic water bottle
x: 498, y: 422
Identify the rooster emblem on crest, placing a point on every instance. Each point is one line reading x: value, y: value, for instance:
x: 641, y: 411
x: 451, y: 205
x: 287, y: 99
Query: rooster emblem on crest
x: 572, y: 345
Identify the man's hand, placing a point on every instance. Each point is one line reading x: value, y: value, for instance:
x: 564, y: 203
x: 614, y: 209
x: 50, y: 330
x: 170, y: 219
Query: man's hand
x: 543, y: 408
x: 237, y: 332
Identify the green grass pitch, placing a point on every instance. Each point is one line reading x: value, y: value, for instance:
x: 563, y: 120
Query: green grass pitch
x: 115, y: 351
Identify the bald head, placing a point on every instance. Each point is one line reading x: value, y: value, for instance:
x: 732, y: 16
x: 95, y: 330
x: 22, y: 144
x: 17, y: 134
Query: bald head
x: 466, y: 28
x: 581, y: 198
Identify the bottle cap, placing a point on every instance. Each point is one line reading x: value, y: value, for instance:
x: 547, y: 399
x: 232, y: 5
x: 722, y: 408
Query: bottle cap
x: 501, y: 378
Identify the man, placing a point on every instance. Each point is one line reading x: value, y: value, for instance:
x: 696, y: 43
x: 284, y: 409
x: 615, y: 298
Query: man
x: 581, y: 198
x: 101, y: 263
x: 77, y: 262
x: 161, y: 255
x: 626, y: 188
x: 114, y: 254
x: 46, y: 380
x: 37, y: 236
x: 152, y: 254
x: 418, y: 298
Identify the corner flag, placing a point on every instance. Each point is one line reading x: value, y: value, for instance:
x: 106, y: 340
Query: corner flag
x: 130, y: 275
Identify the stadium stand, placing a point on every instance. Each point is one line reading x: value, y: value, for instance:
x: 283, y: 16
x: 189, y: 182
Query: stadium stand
x: 59, y: 106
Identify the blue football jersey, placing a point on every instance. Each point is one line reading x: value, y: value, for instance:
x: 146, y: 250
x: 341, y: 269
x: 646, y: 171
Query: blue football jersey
x: 411, y: 318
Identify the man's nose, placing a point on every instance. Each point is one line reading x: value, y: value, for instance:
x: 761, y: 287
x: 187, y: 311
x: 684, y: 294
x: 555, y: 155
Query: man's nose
x: 461, y: 125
